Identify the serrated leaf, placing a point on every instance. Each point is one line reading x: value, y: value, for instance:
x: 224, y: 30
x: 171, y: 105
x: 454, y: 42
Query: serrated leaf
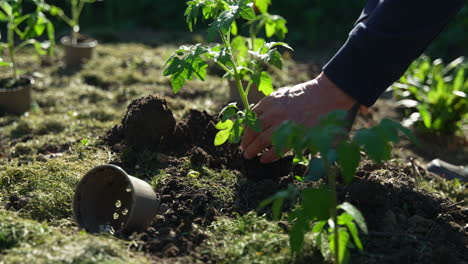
x: 266, y: 84
x: 222, y: 24
x: 348, y: 159
x: 251, y: 121
x: 229, y: 111
x: 356, y: 214
x: 224, y: 132
x: 235, y: 135
x: 373, y: 144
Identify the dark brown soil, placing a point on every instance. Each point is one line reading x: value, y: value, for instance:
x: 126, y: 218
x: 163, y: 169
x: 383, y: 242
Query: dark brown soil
x: 147, y: 123
x: 406, y: 224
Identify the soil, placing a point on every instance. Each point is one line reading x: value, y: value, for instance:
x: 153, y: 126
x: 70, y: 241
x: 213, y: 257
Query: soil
x: 11, y: 84
x: 406, y: 224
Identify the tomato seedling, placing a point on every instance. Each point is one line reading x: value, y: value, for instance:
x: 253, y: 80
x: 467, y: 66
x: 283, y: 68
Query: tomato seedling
x: 240, y: 57
x: 26, y: 27
x: 73, y: 21
x: 318, y: 210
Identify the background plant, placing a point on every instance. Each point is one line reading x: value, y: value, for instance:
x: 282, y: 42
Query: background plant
x: 26, y: 27
x: 73, y: 21
x: 318, y: 210
x: 434, y: 95
x: 239, y: 57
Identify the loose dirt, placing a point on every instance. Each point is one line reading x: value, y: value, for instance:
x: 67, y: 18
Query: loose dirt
x: 406, y: 223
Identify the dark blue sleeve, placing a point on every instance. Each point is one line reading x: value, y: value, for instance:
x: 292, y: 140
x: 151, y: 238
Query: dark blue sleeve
x: 388, y: 36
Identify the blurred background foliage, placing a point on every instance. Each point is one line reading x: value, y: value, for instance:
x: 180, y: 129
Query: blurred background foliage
x: 318, y: 25
x: 313, y: 24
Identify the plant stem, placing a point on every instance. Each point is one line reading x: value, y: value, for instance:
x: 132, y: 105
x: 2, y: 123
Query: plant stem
x: 236, y: 74
x: 11, y: 47
x: 331, y: 174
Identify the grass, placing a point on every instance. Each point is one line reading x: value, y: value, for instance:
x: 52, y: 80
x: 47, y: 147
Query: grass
x: 43, y: 155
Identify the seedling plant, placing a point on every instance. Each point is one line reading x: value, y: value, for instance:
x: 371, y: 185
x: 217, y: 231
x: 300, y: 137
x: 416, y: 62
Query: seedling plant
x: 74, y: 19
x: 328, y: 152
x: 26, y: 27
x: 434, y: 95
x: 240, y: 57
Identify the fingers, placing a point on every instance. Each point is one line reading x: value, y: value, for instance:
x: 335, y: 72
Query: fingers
x: 261, y: 142
x: 269, y: 156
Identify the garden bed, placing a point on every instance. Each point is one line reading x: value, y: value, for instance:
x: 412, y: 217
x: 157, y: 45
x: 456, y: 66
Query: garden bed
x: 103, y: 113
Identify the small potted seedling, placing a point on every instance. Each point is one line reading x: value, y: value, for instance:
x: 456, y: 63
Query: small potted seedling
x: 109, y: 200
x: 78, y: 48
x: 15, y: 91
x: 242, y: 59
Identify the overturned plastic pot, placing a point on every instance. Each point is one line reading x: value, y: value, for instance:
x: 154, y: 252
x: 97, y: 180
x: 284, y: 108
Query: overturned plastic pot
x: 107, y: 199
x: 15, y: 96
x: 80, y: 51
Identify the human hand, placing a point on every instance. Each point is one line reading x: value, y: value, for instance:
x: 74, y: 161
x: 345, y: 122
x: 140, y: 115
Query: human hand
x: 303, y: 104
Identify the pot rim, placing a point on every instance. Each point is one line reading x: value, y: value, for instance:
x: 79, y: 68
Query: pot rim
x: 31, y: 82
x: 66, y: 41
x: 90, y: 173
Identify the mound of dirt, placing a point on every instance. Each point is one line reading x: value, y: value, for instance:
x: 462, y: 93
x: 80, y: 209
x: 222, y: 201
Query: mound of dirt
x: 147, y: 123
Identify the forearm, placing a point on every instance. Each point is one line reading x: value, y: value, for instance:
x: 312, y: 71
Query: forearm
x: 389, y: 36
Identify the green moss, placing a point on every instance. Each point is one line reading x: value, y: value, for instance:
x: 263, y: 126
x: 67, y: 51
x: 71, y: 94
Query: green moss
x: 26, y: 241
x: 452, y: 189
x: 253, y: 239
x: 48, y: 187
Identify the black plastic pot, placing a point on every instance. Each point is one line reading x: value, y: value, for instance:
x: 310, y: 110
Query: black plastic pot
x: 107, y: 199
x: 80, y: 52
x: 16, y: 100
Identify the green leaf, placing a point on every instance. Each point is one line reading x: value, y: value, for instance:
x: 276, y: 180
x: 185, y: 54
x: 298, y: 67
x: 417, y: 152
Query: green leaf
x: 342, y: 244
x: 297, y: 231
x: 426, y: 116
x: 3, y: 17
x: 347, y: 220
x: 375, y: 146
x: 236, y: 132
x: 275, y: 25
x: 277, y: 201
x: 316, y: 203
x: 318, y: 228
x: 222, y: 24
x: 356, y: 214
x: 229, y: 112
x: 223, y: 135
x: 316, y: 169
x: 251, y: 121
x: 271, y: 45
x: 4, y: 64
x: 6, y: 8
x: 39, y: 49
x: 348, y: 159
x: 262, y: 5
x: 265, y: 84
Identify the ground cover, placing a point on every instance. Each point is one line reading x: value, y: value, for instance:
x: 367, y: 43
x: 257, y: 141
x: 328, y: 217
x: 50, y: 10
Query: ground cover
x: 89, y: 116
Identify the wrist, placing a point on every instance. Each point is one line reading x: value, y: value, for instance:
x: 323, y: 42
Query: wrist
x: 336, y: 95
